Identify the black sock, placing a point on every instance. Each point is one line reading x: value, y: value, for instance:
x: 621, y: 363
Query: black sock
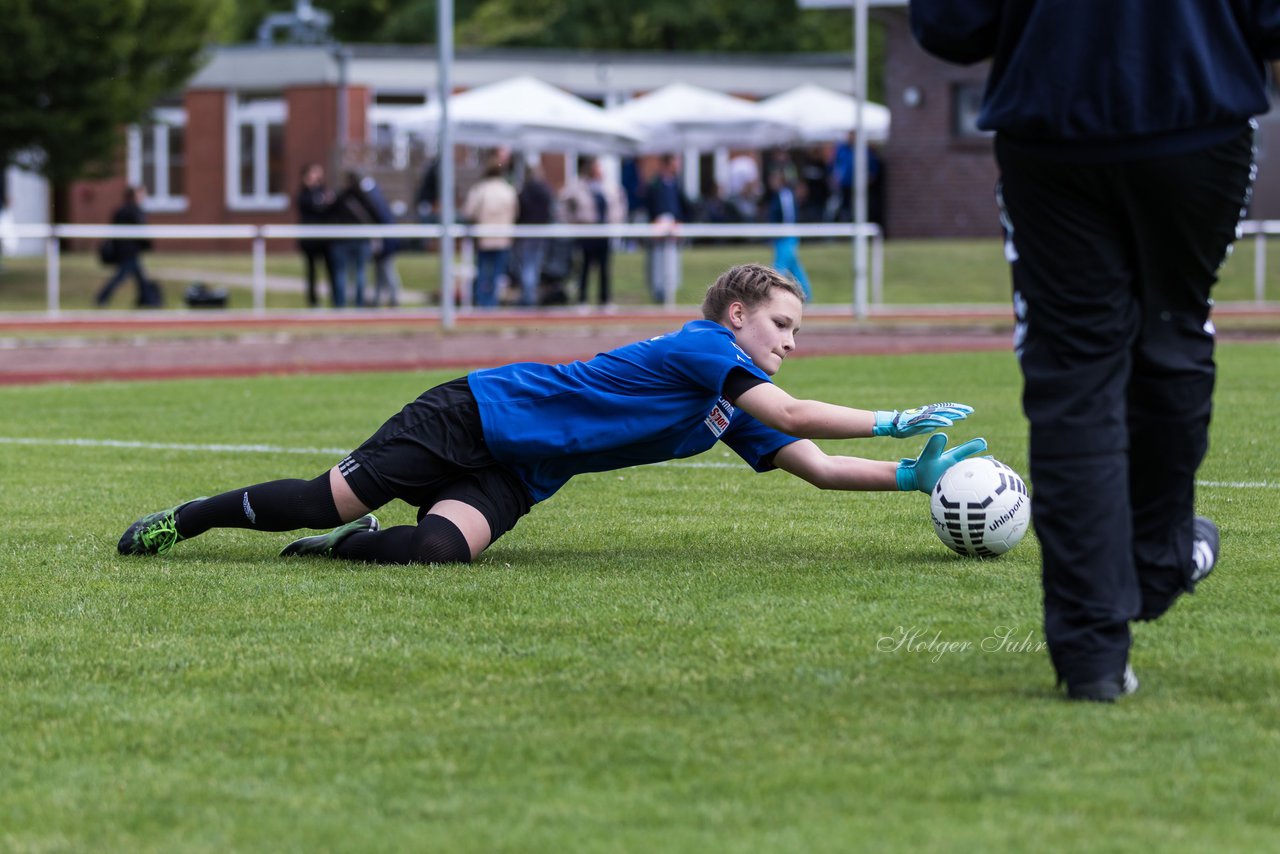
x: 434, y: 540
x: 280, y: 505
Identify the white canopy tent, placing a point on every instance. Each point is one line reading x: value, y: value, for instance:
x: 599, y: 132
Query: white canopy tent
x: 526, y: 113
x: 680, y: 117
x: 822, y: 115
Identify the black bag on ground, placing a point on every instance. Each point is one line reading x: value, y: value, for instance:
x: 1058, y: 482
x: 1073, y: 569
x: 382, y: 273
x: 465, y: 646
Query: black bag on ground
x: 150, y: 295
x: 200, y: 295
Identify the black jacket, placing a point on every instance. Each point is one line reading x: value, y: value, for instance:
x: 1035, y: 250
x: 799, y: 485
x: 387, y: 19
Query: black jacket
x: 351, y: 207
x: 1105, y: 79
x: 126, y: 248
x: 666, y: 198
x: 536, y: 203
x: 313, y: 209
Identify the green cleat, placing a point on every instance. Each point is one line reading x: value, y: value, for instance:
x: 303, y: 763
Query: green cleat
x: 322, y: 545
x: 153, y: 534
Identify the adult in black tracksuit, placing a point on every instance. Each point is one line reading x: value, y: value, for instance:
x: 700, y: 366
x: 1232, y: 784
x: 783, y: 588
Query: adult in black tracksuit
x: 1124, y: 142
x: 313, y: 202
x: 128, y: 251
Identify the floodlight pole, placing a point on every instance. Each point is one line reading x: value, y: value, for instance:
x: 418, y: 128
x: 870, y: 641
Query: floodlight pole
x: 444, y: 44
x: 860, y: 159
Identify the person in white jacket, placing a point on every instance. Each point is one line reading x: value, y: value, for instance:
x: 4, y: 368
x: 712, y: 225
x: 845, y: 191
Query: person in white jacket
x: 492, y: 201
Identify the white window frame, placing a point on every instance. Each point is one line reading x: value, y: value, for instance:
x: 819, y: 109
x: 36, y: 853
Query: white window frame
x: 259, y: 115
x: 158, y: 197
x: 966, y: 104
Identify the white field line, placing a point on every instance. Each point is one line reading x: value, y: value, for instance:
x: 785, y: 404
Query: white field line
x: 339, y: 452
x: 173, y: 446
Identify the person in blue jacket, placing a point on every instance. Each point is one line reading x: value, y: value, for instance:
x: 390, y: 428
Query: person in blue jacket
x: 784, y: 208
x: 475, y: 454
x: 1124, y: 143
x: 386, y: 279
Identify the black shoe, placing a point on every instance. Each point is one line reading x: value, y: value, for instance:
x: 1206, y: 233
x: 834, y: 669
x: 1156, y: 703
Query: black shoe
x: 322, y: 545
x: 153, y: 534
x: 1105, y: 690
x: 1204, y: 549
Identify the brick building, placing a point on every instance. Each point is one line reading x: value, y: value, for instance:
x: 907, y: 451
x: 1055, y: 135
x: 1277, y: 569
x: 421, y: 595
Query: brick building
x: 939, y: 168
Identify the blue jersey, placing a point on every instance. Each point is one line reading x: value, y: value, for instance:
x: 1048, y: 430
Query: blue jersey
x: 647, y: 402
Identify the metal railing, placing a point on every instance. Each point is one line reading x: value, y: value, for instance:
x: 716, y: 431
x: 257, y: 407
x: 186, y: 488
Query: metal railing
x: 1260, y: 229
x: 52, y: 235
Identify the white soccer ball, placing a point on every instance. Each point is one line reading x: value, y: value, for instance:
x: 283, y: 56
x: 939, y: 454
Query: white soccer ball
x: 980, y: 507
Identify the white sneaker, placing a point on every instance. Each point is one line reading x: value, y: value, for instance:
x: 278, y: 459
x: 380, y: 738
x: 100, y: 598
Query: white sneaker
x: 1204, y: 549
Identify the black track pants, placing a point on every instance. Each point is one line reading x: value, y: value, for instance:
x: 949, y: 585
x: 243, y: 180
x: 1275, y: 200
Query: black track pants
x: 1112, y: 268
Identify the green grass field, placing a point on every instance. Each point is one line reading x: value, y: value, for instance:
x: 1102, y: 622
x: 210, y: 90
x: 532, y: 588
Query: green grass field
x: 674, y: 658
x: 916, y: 272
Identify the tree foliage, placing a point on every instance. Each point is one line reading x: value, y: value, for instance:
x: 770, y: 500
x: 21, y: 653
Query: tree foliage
x: 709, y: 26
x: 706, y: 26
x: 354, y: 21
x: 72, y: 72
x: 678, y: 25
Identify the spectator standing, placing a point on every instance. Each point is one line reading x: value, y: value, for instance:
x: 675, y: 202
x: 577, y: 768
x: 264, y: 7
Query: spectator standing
x: 492, y: 201
x: 744, y: 188
x: 386, y: 279
x: 1125, y: 163
x: 537, y: 207
x: 632, y: 188
x: 313, y: 202
x: 351, y: 255
x: 779, y: 160
x: 842, y: 179
x: 428, y: 196
x: 667, y: 207
x: 128, y: 250
x: 592, y: 200
x: 813, y: 177
x: 784, y: 208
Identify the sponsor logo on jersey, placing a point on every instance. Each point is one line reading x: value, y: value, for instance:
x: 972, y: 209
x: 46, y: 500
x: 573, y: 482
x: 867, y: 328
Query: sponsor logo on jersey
x: 718, y: 418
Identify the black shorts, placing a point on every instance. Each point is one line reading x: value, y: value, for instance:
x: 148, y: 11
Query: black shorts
x: 434, y: 450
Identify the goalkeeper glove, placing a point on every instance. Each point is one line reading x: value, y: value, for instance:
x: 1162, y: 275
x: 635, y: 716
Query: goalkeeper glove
x: 923, y: 472
x: 922, y: 419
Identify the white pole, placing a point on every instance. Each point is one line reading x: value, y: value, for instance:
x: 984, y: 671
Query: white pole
x: 466, y: 269
x: 1259, y: 264
x: 877, y: 269
x: 444, y: 42
x: 52, y: 273
x: 259, y: 273
x: 860, y: 160
x: 671, y: 263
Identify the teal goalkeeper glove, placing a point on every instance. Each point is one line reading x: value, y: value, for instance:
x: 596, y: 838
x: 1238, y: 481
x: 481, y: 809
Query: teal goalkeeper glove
x: 923, y: 472
x: 922, y: 419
